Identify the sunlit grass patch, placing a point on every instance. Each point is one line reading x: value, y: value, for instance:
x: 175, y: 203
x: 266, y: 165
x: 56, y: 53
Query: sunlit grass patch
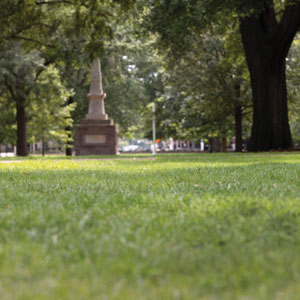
x: 171, y: 227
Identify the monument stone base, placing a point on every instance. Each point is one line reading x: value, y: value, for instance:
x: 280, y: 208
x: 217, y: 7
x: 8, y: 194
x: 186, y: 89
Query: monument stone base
x: 95, y: 137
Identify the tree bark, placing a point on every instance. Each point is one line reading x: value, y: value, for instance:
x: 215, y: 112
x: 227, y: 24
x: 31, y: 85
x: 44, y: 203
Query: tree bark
x: 21, y: 128
x: 215, y: 145
x: 224, y: 144
x: 238, y: 128
x: 43, y: 146
x: 69, y: 144
x: 266, y: 43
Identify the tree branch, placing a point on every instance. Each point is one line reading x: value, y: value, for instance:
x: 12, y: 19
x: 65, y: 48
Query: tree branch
x: 41, y: 69
x: 245, y: 113
x: 53, y: 2
x: 288, y: 27
x: 268, y: 19
x: 9, y: 87
x: 34, y: 41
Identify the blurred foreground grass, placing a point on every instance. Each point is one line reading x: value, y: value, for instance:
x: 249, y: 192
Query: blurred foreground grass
x: 197, y: 226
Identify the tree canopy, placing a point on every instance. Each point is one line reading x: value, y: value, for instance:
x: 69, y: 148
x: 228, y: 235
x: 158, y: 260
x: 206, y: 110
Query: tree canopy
x: 208, y: 65
x: 267, y: 29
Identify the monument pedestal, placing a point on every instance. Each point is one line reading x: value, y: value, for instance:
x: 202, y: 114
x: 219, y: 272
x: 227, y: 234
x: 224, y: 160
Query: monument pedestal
x: 96, y: 134
x: 96, y: 137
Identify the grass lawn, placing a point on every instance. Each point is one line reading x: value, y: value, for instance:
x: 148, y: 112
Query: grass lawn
x: 198, y: 226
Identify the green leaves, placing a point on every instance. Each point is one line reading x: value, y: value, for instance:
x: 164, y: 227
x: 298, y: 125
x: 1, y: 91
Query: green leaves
x: 201, y: 87
x: 68, y: 34
x: 49, y: 113
x: 18, y: 69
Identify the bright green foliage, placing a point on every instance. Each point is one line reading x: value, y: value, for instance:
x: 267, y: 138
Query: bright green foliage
x: 123, y: 63
x: 293, y: 79
x: 168, y: 16
x: 195, y: 96
x: 204, y: 86
x: 18, y: 74
x: 49, y: 114
x: 7, y: 122
x: 56, y: 30
x: 18, y: 70
x: 206, y: 227
x: 129, y: 69
x: 175, y: 20
x: 126, y: 94
x: 272, y: 23
x: 50, y: 24
x: 69, y: 34
x: 24, y: 75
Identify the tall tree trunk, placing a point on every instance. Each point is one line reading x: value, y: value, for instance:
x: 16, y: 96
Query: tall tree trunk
x: 43, y: 146
x: 238, y: 128
x: 215, y: 145
x: 69, y: 144
x: 21, y: 128
x: 224, y: 144
x: 266, y: 43
x: 270, y: 127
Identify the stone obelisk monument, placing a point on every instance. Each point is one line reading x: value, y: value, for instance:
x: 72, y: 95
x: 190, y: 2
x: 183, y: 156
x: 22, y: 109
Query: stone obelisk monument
x: 96, y: 134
